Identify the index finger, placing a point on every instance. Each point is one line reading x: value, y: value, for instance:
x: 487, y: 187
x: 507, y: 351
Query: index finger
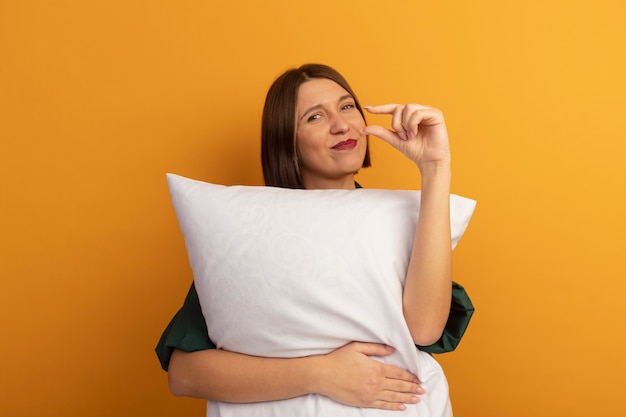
x: 393, y: 372
x: 382, y: 109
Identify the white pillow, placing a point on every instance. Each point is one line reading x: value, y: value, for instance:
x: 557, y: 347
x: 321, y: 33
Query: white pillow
x: 291, y: 273
x: 286, y: 273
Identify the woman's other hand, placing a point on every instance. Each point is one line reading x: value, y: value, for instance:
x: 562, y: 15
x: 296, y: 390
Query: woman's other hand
x: 418, y: 131
x: 348, y: 375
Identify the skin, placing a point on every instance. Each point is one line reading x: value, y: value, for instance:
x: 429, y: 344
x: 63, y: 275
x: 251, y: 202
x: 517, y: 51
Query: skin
x: 326, y: 117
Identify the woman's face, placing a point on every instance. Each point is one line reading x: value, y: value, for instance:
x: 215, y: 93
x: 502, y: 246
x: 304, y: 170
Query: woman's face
x: 328, y: 140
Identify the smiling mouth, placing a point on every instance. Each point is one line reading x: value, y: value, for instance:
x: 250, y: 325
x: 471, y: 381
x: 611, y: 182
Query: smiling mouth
x: 345, y: 145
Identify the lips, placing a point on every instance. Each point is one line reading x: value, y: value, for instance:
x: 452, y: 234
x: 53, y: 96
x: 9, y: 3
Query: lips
x: 345, y: 145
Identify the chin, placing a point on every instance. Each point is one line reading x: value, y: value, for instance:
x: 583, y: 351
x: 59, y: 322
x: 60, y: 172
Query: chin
x: 354, y: 168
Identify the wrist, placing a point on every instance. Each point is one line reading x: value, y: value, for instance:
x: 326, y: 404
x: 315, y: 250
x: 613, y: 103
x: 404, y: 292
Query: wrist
x: 313, y: 367
x: 435, y: 169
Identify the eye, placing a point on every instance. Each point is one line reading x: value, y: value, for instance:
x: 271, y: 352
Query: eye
x: 314, y: 117
x: 348, y: 106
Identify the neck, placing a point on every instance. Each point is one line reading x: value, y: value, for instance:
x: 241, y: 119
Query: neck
x: 344, y: 183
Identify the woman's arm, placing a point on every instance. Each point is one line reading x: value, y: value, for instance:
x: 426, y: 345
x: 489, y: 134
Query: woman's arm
x: 348, y: 375
x: 428, y: 286
x: 420, y: 133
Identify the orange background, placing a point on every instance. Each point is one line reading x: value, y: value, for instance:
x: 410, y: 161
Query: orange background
x: 99, y: 99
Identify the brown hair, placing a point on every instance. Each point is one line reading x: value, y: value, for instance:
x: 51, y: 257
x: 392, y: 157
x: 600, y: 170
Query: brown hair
x: 278, y: 128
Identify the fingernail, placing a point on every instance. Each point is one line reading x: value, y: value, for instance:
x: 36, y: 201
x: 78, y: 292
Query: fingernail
x: 389, y: 348
x: 415, y: 400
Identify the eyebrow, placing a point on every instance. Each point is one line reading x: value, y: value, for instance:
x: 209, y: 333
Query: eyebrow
x: 319, y: 106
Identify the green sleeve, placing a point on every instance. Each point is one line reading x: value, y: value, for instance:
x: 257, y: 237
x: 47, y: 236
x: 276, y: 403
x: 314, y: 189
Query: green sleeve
x: 186, y: 331
x: 461, y: 311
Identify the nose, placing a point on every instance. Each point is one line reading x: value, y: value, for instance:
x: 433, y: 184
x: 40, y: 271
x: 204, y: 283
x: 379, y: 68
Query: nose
x: 339, y: 124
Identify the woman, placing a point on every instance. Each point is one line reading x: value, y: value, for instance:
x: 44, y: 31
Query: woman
x: 314, y: 136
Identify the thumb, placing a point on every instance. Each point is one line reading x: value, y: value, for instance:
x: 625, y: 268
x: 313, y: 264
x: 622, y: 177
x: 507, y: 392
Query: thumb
x: 372, y: 349
x: 382, y: 133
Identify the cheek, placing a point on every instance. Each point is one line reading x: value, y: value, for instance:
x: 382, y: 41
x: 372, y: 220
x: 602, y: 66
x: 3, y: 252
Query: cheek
x: 301, y: 142
x: 358, y: 122
x: 307, y: 140
x: 304, y: 147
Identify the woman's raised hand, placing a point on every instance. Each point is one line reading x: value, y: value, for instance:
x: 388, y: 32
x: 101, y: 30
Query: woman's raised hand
x: 419, y: 132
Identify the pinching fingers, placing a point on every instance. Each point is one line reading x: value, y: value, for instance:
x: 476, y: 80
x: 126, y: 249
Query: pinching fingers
x: 396, y: 111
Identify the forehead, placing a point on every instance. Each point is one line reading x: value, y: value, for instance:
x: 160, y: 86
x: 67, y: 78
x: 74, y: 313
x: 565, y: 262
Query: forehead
x: 319, y: 91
